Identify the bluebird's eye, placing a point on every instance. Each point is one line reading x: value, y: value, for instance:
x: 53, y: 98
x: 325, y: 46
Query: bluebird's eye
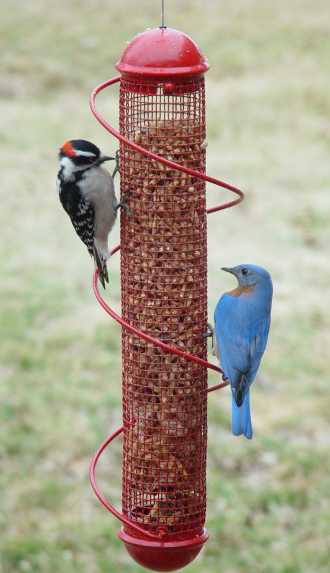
x: 245, y: 271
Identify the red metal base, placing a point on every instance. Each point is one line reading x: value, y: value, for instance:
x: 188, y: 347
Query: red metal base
x: 162, y: 555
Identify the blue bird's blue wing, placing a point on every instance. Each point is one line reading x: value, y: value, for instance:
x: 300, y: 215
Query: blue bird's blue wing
x: 258, y: 347
x: 241, y: 336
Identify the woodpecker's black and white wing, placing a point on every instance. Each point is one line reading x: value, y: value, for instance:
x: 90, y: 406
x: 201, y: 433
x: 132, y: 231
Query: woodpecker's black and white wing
x: 81, y: 213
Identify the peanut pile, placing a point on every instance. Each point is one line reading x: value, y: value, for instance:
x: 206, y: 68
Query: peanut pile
x: 163, y: 266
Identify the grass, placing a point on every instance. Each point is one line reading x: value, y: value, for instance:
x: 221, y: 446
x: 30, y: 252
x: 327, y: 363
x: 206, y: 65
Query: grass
x: 268, y: 120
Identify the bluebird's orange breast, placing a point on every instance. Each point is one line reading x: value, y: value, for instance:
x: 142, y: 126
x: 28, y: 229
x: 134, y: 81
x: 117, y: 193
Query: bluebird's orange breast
x: 241, y: 290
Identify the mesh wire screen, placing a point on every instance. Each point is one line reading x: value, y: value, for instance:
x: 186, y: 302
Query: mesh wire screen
x: 164, y: 292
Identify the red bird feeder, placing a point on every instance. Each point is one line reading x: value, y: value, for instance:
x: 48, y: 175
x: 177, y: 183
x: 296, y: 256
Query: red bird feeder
x: 164, y: 298
x: 164, y: 280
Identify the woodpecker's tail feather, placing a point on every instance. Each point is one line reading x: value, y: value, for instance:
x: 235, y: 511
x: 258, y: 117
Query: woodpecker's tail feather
x: 103, y: 275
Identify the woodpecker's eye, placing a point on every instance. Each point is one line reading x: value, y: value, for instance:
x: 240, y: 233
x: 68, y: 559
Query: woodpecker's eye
x: 85, y: 160
x: 245, y: 271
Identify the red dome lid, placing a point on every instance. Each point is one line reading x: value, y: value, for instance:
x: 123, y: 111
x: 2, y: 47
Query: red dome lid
x: 162, y: 52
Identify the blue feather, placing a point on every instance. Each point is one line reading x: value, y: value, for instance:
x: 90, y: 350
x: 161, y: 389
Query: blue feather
x: 241, y: 417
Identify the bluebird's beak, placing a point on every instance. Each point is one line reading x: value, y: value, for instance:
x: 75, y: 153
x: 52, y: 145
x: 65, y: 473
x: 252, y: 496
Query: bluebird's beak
x: 228, y: 270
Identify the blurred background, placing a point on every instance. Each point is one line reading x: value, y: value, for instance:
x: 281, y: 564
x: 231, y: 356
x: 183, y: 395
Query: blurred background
x: 268, y: 125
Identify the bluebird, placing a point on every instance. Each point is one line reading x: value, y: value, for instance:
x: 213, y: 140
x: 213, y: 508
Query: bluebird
x: 241, y: 327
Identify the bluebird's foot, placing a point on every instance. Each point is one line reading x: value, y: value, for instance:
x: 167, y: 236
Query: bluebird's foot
x: 208, y: 334
x: 224, y: 377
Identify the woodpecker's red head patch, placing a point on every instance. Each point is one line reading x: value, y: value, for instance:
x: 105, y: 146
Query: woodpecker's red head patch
x: 68, y: 149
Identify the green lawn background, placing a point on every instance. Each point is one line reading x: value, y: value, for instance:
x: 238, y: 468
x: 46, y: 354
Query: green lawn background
x: 268, y: 125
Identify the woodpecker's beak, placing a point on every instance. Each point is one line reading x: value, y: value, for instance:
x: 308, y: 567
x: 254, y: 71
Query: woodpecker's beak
x: 228, y: 270
x: 104, y: 157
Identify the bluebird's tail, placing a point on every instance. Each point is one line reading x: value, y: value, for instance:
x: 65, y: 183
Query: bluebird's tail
x: 241, y: 417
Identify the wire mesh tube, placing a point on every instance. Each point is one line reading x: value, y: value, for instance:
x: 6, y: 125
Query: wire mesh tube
x: 164, y: 292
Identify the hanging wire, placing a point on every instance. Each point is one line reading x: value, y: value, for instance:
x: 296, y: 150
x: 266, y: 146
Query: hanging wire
x: 163, y: 14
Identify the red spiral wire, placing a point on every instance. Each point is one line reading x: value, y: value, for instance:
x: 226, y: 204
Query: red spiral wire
x: 124, y: 323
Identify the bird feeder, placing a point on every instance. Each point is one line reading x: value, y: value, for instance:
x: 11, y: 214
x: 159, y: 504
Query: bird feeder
x: 164, y: 298
x: 163, y: 270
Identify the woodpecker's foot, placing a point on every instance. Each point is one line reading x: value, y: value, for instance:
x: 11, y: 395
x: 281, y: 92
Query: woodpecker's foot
x: 116, y: 169
x: 123, y: 203
x: 208, y: 334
